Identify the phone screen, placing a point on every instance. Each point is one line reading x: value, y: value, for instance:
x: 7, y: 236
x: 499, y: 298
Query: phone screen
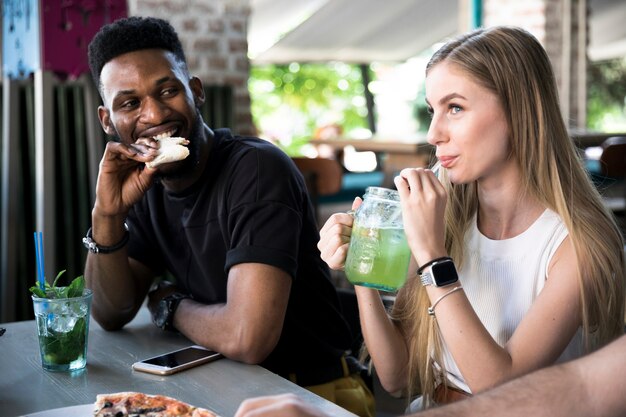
x: 179, y: 357
x: 176, y: 361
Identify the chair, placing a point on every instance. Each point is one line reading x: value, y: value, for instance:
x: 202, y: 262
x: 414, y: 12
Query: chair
x: 613, y: 158
x: 613, y: 167
x: 322, y: 175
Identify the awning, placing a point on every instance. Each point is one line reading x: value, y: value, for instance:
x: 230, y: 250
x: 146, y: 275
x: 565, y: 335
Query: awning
x: 607, y: 29
x: 347, y: 30
x: 282, y: 31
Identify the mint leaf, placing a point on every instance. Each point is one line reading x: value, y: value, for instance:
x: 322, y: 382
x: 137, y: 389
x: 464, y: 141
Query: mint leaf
x: 54, y: 284
x: 76, y: 287
x: 35, y: 290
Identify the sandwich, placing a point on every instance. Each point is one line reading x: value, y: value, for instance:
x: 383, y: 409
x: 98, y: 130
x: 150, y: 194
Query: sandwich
x: 170, y: 150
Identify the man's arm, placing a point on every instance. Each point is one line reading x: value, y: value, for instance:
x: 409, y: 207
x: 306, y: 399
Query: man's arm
x: 119, y: 287
x: 119, y: 284
x: 248, y: 325
x: 590, y: 386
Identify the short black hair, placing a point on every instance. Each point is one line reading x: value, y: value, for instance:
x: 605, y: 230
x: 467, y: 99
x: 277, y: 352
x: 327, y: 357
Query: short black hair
x: 132, y: 34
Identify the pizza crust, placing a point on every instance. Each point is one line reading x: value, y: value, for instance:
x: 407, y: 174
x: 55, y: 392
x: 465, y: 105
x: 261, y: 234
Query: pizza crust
x: 170, y: 150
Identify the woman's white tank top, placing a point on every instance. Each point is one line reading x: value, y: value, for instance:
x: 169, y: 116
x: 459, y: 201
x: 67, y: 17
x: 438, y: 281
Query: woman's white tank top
x: 502, y: 278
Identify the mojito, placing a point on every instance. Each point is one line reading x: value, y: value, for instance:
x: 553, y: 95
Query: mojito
x: 63, y: 327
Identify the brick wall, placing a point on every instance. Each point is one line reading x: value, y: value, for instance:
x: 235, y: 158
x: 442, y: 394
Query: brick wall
x: 213, y: 34
x: 561, y: 27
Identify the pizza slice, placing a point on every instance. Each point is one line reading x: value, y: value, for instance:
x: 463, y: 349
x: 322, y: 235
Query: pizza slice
x: 136, y: 404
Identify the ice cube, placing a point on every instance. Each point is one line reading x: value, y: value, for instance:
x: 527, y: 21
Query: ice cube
x: 61, y: 323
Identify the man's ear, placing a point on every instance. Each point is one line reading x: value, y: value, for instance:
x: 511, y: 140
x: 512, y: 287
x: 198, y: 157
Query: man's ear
x: 198, y: 91
x: 105, y: 121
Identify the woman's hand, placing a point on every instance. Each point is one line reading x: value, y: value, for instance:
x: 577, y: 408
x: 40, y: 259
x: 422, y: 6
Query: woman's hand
x: 335, y: 237
x: 284, y: 405
x: 423, y: 199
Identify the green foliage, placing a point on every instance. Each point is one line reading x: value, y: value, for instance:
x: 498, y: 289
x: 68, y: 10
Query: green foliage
x: 420, y: 110
x: 75, y: 289
x: 290, y: 101
x: 606, y: 96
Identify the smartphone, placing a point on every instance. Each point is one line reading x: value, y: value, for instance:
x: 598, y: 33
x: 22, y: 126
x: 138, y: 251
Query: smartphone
x: 176, y: 361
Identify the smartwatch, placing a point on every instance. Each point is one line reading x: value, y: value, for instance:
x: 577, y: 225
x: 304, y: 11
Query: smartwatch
x: 439, y: 273
x: 164, y: 314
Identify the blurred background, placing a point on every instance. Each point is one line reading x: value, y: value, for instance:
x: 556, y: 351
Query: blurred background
x: 337, y: 84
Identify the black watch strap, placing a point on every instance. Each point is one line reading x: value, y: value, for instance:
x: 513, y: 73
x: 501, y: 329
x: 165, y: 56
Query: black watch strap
x: 172, y: 301
x: 93, y: 247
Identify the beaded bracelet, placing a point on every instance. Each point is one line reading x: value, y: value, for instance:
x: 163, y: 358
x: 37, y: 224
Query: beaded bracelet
x: 431, y: 309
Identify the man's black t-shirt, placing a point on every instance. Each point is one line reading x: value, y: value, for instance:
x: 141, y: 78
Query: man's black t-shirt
x: 250, y: 205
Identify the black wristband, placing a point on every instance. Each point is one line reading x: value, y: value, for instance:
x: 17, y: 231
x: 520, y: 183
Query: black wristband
x: 427, y: 264
x: 93, y: 247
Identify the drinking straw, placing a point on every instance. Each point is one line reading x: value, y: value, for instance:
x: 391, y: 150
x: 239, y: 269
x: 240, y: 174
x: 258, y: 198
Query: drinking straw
x: 435, y: 169
x: 42, y: 271
x: 39, y: 259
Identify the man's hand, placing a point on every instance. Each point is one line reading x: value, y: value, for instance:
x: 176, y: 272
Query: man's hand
x: 284, y: 405
x: 123, y: 179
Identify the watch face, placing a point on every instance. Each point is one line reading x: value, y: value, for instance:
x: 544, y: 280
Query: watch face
x: 444, y: 273
x: 162, y: 313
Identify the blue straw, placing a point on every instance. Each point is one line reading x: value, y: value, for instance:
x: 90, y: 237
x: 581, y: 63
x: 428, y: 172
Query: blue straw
x: 39, y: 259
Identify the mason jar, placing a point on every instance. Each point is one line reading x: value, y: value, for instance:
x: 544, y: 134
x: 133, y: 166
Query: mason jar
x: 378, y: 255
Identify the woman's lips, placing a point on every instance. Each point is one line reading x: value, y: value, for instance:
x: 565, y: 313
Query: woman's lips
x: 447, y: 161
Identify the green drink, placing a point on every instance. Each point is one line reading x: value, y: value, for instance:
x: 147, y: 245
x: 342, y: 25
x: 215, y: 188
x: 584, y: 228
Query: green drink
x: 378, y: 258
x: 62, y: 327
x: 379, y: 255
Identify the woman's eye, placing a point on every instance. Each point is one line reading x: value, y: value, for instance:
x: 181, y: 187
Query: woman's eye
x: 430, y: 111
x: 454, y: 109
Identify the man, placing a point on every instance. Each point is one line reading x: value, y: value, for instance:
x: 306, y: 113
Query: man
x: 590, y: 386
x: 232, y: 222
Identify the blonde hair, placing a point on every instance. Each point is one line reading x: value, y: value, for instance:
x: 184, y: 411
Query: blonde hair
x: 513, y: 65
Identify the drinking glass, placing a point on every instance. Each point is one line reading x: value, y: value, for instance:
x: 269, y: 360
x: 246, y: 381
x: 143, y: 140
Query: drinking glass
x: 63, y: 327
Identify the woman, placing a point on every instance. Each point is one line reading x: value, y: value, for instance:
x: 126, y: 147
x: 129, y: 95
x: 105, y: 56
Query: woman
x: 540, y: 260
